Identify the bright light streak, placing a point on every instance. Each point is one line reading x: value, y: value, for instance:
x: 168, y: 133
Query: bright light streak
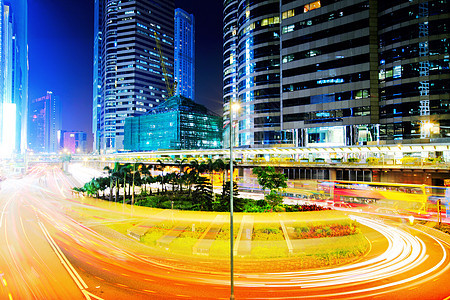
x: 8, y: 133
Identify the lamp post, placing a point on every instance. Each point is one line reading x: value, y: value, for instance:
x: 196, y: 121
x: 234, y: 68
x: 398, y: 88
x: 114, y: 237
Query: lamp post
x: 234, y: 106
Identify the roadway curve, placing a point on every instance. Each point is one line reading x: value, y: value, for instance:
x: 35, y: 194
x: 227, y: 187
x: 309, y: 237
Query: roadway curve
x: 54, y: 255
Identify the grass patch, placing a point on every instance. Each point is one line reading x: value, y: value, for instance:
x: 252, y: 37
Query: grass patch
x: 272, y: 249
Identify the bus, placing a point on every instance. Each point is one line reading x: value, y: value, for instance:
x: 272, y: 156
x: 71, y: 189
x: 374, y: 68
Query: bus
x: 395, y: 196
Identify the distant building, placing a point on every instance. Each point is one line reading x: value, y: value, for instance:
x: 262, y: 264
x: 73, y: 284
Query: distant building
x: 184, y: 55
x: 128, y: 77
x: 44, y: 123
x: 178, y: 123
x: 73, y: 141
x: 13, y: 76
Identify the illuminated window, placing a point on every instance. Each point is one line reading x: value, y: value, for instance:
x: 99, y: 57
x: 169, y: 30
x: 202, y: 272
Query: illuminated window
x: 288, y: 28
x: 311, y: 6
x: 247, y: 14
x: 269, y: 21
x: 288, y: 14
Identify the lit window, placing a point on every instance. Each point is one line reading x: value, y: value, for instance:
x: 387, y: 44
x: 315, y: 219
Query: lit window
x: 288, y: 28
x: 311, y: 6
x: 288, y: 14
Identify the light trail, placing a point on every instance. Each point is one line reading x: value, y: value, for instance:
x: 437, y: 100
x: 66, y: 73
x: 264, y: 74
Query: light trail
x: 409, y: 259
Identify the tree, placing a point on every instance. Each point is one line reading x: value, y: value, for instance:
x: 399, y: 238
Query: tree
x: 274, y: 198
x: 92, y: 187
x: 269, y: 178
x: 181, y: 164
x: 191, y: 178
x: 110, y: 172
x: 221, y: 167
x: 224, y: 203
x: 146, y: 176
x: 124, y: 171
x: 203, y: 195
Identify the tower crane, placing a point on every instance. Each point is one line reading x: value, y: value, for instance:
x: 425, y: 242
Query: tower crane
x: 171, y: 88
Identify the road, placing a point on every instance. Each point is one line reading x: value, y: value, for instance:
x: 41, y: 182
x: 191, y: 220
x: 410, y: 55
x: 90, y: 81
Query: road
x: 45, y: 254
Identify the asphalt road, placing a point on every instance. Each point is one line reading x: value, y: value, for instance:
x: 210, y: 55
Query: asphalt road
x: 44, y: 254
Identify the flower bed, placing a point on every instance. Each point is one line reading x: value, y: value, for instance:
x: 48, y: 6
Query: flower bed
x: 332, y: 230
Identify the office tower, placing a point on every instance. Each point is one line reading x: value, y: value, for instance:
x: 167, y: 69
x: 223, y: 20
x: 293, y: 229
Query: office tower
x: 97, y: 75
x: 251, y: 66
x: 184, y: 57
x: 74, y: 142
x: 329, y: 71
x: 352, y: 72
x: 13, y: 76
x: 130, y: 78
x: 45, y: 121
x: 414, y: 71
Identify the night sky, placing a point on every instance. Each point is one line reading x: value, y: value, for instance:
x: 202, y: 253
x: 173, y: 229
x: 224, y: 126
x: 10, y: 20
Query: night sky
x: 60, y: 39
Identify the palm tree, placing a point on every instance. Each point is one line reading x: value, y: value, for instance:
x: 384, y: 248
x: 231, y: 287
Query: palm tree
x: 162, y: 165
x: 145, y: 171
x: 221, y: 167
x: 116, y: 179
x: 172, y: 179
x: 124, y: 171
x: 196, y: 166
x: 181, y: 164
x: 135, y: 175
x: 190, y: 179
x: 110, y: 171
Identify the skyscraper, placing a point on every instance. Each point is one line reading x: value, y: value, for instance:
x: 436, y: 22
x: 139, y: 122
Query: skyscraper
x: 351, y: 72
x: 128, y: 75
x: 414, y: 71
x: 45, y: 122
x: 184, y: 71
x: 329, y: 71
x: 251, y: 67
x: 13, y: 76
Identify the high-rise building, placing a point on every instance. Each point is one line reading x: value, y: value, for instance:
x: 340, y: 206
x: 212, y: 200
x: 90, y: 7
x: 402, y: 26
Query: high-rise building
x: 45, y: 121
x: 184, y: 57
x: 128, y: 74
x: 414, y: 71
x: 329, y: 71
x: 251, y: 66
x: 72, y: 141
x: 13, y: 76
x: 351, y: 72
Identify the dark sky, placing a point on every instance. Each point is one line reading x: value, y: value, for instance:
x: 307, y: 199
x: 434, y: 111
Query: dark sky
x: 60, y: 39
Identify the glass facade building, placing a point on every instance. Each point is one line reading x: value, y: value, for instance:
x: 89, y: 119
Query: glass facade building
x: 184, y: 55
x: 329, y: 71
x: 128, y: 75
x: 45, y: 121
x: 178, y: 123
x: 365, y: 72
x: 13, y: 77
x: 251, y: 66
x: 336, y: 73
x: 414, y: 70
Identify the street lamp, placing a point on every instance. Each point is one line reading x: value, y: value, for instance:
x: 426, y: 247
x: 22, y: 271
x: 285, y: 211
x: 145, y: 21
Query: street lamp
x: 234, y: 106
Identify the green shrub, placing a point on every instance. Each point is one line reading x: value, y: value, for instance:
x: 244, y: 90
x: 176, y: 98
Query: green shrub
x: 352, y: 160
x: 372, y: 160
